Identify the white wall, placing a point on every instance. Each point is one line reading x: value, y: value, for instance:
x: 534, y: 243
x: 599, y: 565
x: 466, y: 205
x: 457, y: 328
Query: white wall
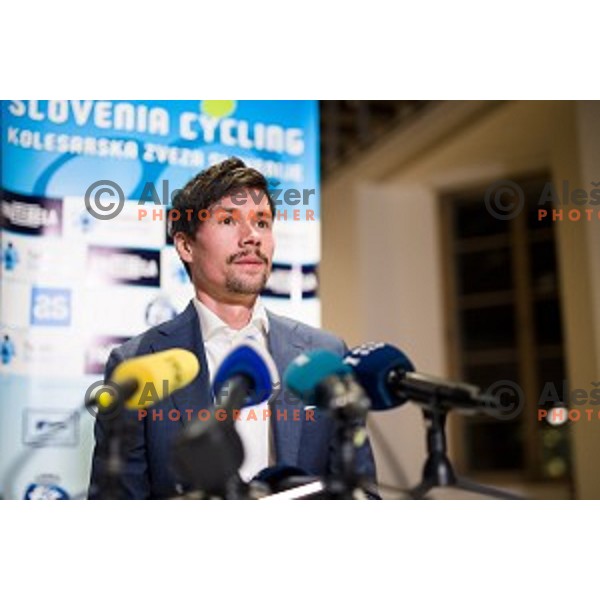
x: 381, y: 273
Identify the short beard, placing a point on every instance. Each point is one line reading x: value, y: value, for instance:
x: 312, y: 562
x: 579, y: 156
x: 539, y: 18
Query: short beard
x: 237, y: 285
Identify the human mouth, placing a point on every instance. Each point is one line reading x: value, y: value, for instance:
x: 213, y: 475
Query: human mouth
x: 249, y: 260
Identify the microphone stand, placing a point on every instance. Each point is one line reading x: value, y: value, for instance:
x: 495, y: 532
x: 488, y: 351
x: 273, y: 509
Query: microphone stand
x: 343, y: 486
x: 115, y: 431
x: 349, y: 408
x: 208, y: 454
x: 438, y: 470
x: 117, y: 428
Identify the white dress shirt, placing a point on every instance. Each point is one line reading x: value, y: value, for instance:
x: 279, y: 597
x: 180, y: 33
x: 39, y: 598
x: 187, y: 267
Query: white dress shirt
x: 219, y: 339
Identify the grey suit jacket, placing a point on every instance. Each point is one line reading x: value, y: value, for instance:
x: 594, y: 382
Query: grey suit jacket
x: 147, y: 472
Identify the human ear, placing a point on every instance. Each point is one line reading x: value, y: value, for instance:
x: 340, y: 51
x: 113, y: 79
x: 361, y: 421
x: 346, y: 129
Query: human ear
x: 183, y: 246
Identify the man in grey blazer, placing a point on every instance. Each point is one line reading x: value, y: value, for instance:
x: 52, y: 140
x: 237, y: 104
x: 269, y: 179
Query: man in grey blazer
x: 226, y: 246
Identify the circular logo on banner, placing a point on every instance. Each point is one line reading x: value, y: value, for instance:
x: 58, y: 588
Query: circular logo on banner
x: 45, y: 487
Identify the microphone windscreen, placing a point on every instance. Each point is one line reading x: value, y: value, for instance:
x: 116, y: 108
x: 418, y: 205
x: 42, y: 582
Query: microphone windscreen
x: 372, y: 364
x: 207, y: 456
x: 282, y: 477
x: 307, y: 371
x: 252, y: 361
x: 157, y: 375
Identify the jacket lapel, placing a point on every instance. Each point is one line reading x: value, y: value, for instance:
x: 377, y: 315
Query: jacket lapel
x: 184, y: 332
x: 284, y: 345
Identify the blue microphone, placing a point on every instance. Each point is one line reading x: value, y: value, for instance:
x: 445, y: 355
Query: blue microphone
x: 372, y: 363
x: 245, y: 377
x: 389, y: 379
x: 322, y: 379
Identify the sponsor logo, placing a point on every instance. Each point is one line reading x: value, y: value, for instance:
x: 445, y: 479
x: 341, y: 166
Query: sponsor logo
x: 50, y: 307
x: 10, y: 257
x: 291, y: 282
x: 98, y: 352
x: 84, y: 221
x: 159, y: 310
x: 7, y: 350
x: 124, y: 266
x: 45, y: 487
x: 46, y: 427
x: 31, y: 214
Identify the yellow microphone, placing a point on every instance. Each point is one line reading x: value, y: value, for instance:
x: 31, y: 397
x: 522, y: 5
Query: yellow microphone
x: 142, y: 381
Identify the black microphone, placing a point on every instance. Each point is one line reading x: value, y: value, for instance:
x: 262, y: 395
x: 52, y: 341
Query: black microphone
x: 389, y: 379
x: 208, y: 454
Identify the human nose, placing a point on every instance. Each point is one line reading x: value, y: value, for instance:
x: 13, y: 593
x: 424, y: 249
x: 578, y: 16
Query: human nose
x: 249, y: 234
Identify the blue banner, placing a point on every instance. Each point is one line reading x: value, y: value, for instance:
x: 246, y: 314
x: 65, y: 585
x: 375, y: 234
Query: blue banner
x: 75, y: 285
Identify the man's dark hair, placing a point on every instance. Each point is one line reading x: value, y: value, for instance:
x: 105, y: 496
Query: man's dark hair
x: 208, y: 187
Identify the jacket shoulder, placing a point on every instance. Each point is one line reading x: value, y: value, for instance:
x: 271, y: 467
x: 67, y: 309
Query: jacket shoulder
x: 312, y: 337
x: 136, y: 345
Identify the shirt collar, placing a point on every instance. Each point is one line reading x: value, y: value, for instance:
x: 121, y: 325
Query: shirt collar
x: 210, y: 323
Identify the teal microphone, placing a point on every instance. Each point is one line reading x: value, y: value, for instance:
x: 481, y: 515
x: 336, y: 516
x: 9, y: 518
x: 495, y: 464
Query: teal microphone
x: 321, y: 378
